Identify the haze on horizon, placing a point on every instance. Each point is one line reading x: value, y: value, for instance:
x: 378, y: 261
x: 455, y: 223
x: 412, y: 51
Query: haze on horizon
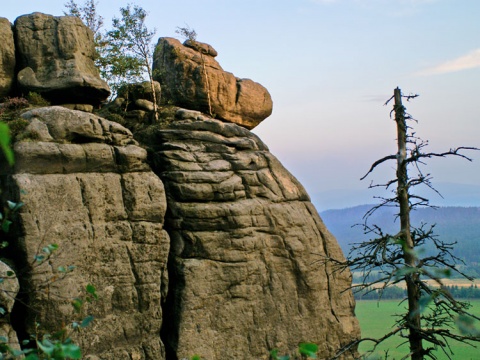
x: 330, y: 65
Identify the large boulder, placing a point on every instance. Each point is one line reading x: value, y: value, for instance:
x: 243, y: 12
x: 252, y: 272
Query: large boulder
x: 55, y: 59
x: 86, y: 187
x: 191, y: 78
x: 7, y: 57
x: 248, y: 269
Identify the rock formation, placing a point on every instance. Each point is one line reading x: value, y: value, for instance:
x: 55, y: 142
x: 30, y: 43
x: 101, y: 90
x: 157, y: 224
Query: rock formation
x: 87, y: 188
x: 9, y: 290
x: 7, y: 58
x: 55, y: 59
x: 206, y: 246
x: 191, y: 77
x: 248, y: 249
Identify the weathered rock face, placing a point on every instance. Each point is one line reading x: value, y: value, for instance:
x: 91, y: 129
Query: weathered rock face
x: 141, y: 91
x: 7, y: 57
x: 87, y: 188
x: 190, y: 76
x: 247, y: 268
x: 55, y: 59
x: 9, y: 288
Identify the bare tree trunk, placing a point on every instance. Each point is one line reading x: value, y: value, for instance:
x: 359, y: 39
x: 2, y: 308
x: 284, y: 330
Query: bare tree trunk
x: 413, y: 291
x: 152, y: 86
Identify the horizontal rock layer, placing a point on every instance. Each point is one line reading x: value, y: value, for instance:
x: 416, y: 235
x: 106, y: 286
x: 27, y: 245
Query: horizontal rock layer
x: 248, y: 251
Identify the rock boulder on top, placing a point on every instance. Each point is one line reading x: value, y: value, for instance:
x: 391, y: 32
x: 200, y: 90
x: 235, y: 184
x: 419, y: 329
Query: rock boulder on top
x: 190, y: 75
x: 55, y: 59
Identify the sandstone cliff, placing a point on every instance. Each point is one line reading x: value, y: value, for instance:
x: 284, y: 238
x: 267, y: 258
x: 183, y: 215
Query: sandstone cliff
x: 246, y: 264
x: 197, y: 239
x: 87, y: 188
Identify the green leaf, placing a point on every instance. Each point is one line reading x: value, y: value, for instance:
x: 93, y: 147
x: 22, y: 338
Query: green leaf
x: 466, y: 325
x: 405, y: 271
x: 86, y: 321
x: 274, y: 355
x: 92, y: 291
x: 53, y: 247
x: 72, y: 351
x: 308, y: 349
x: 16, y: 353
x: 10, y: 273
x: 5, y: 143
x: 46, y: 347
x: 77, y: 304
x: 196, y: 357
x: 6, y: 225
x: 423, y: 303
x: 11, y: 205
x: 3, y: 339
x: 62, y: 269
x: 32, y: 356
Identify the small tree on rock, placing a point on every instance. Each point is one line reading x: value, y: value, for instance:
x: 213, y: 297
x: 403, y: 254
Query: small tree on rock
x: 433, y: 314
x: 131, y: 39
x: 123, y: 53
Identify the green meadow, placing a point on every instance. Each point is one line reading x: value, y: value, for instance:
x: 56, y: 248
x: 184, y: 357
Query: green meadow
x: 377, y: 318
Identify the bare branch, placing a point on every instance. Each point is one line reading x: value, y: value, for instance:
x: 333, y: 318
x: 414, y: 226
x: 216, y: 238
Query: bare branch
x: 378, y: 162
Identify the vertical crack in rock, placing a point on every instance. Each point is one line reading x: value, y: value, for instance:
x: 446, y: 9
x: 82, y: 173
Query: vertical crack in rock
x: 172, y: 309
x: 139, y: 296
x: 106, y: 214
x: 86, y: 204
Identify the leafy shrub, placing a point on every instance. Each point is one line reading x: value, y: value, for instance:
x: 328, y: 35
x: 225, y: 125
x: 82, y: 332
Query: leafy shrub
x: 15, y: 103
x: 37, y: 99
x: 116, y: 117
x: 17, y: 127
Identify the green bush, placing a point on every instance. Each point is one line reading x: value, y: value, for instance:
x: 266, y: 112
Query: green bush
x: 37, y: 99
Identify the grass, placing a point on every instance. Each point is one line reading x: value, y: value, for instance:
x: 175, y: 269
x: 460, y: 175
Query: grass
x: 376, y: 319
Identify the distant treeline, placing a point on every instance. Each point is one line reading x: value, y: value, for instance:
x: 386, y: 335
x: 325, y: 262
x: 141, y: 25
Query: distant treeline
x: 395, y: 292
x: 456, y: 225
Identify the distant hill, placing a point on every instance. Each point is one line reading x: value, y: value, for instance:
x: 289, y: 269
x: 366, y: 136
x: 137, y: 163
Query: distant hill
x: 454, y: 194
x: 453, y: 224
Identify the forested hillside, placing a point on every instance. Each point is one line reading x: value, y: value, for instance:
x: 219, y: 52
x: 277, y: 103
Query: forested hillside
x: 453, y: 224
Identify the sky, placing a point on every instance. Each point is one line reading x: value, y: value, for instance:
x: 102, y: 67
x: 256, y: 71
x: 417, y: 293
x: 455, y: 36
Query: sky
x: 330, y: 65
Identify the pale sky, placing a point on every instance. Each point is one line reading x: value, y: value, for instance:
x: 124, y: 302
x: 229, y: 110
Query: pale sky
x: 329, y: 66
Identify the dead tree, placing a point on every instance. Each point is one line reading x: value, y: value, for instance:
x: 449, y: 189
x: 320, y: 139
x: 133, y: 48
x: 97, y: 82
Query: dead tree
x: 397, y: 259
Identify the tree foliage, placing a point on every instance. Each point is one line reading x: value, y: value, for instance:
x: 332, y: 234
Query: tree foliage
x: 124, y: 53
x: 89, y: 15
x: 396, y: 258
x: 131, y: 41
